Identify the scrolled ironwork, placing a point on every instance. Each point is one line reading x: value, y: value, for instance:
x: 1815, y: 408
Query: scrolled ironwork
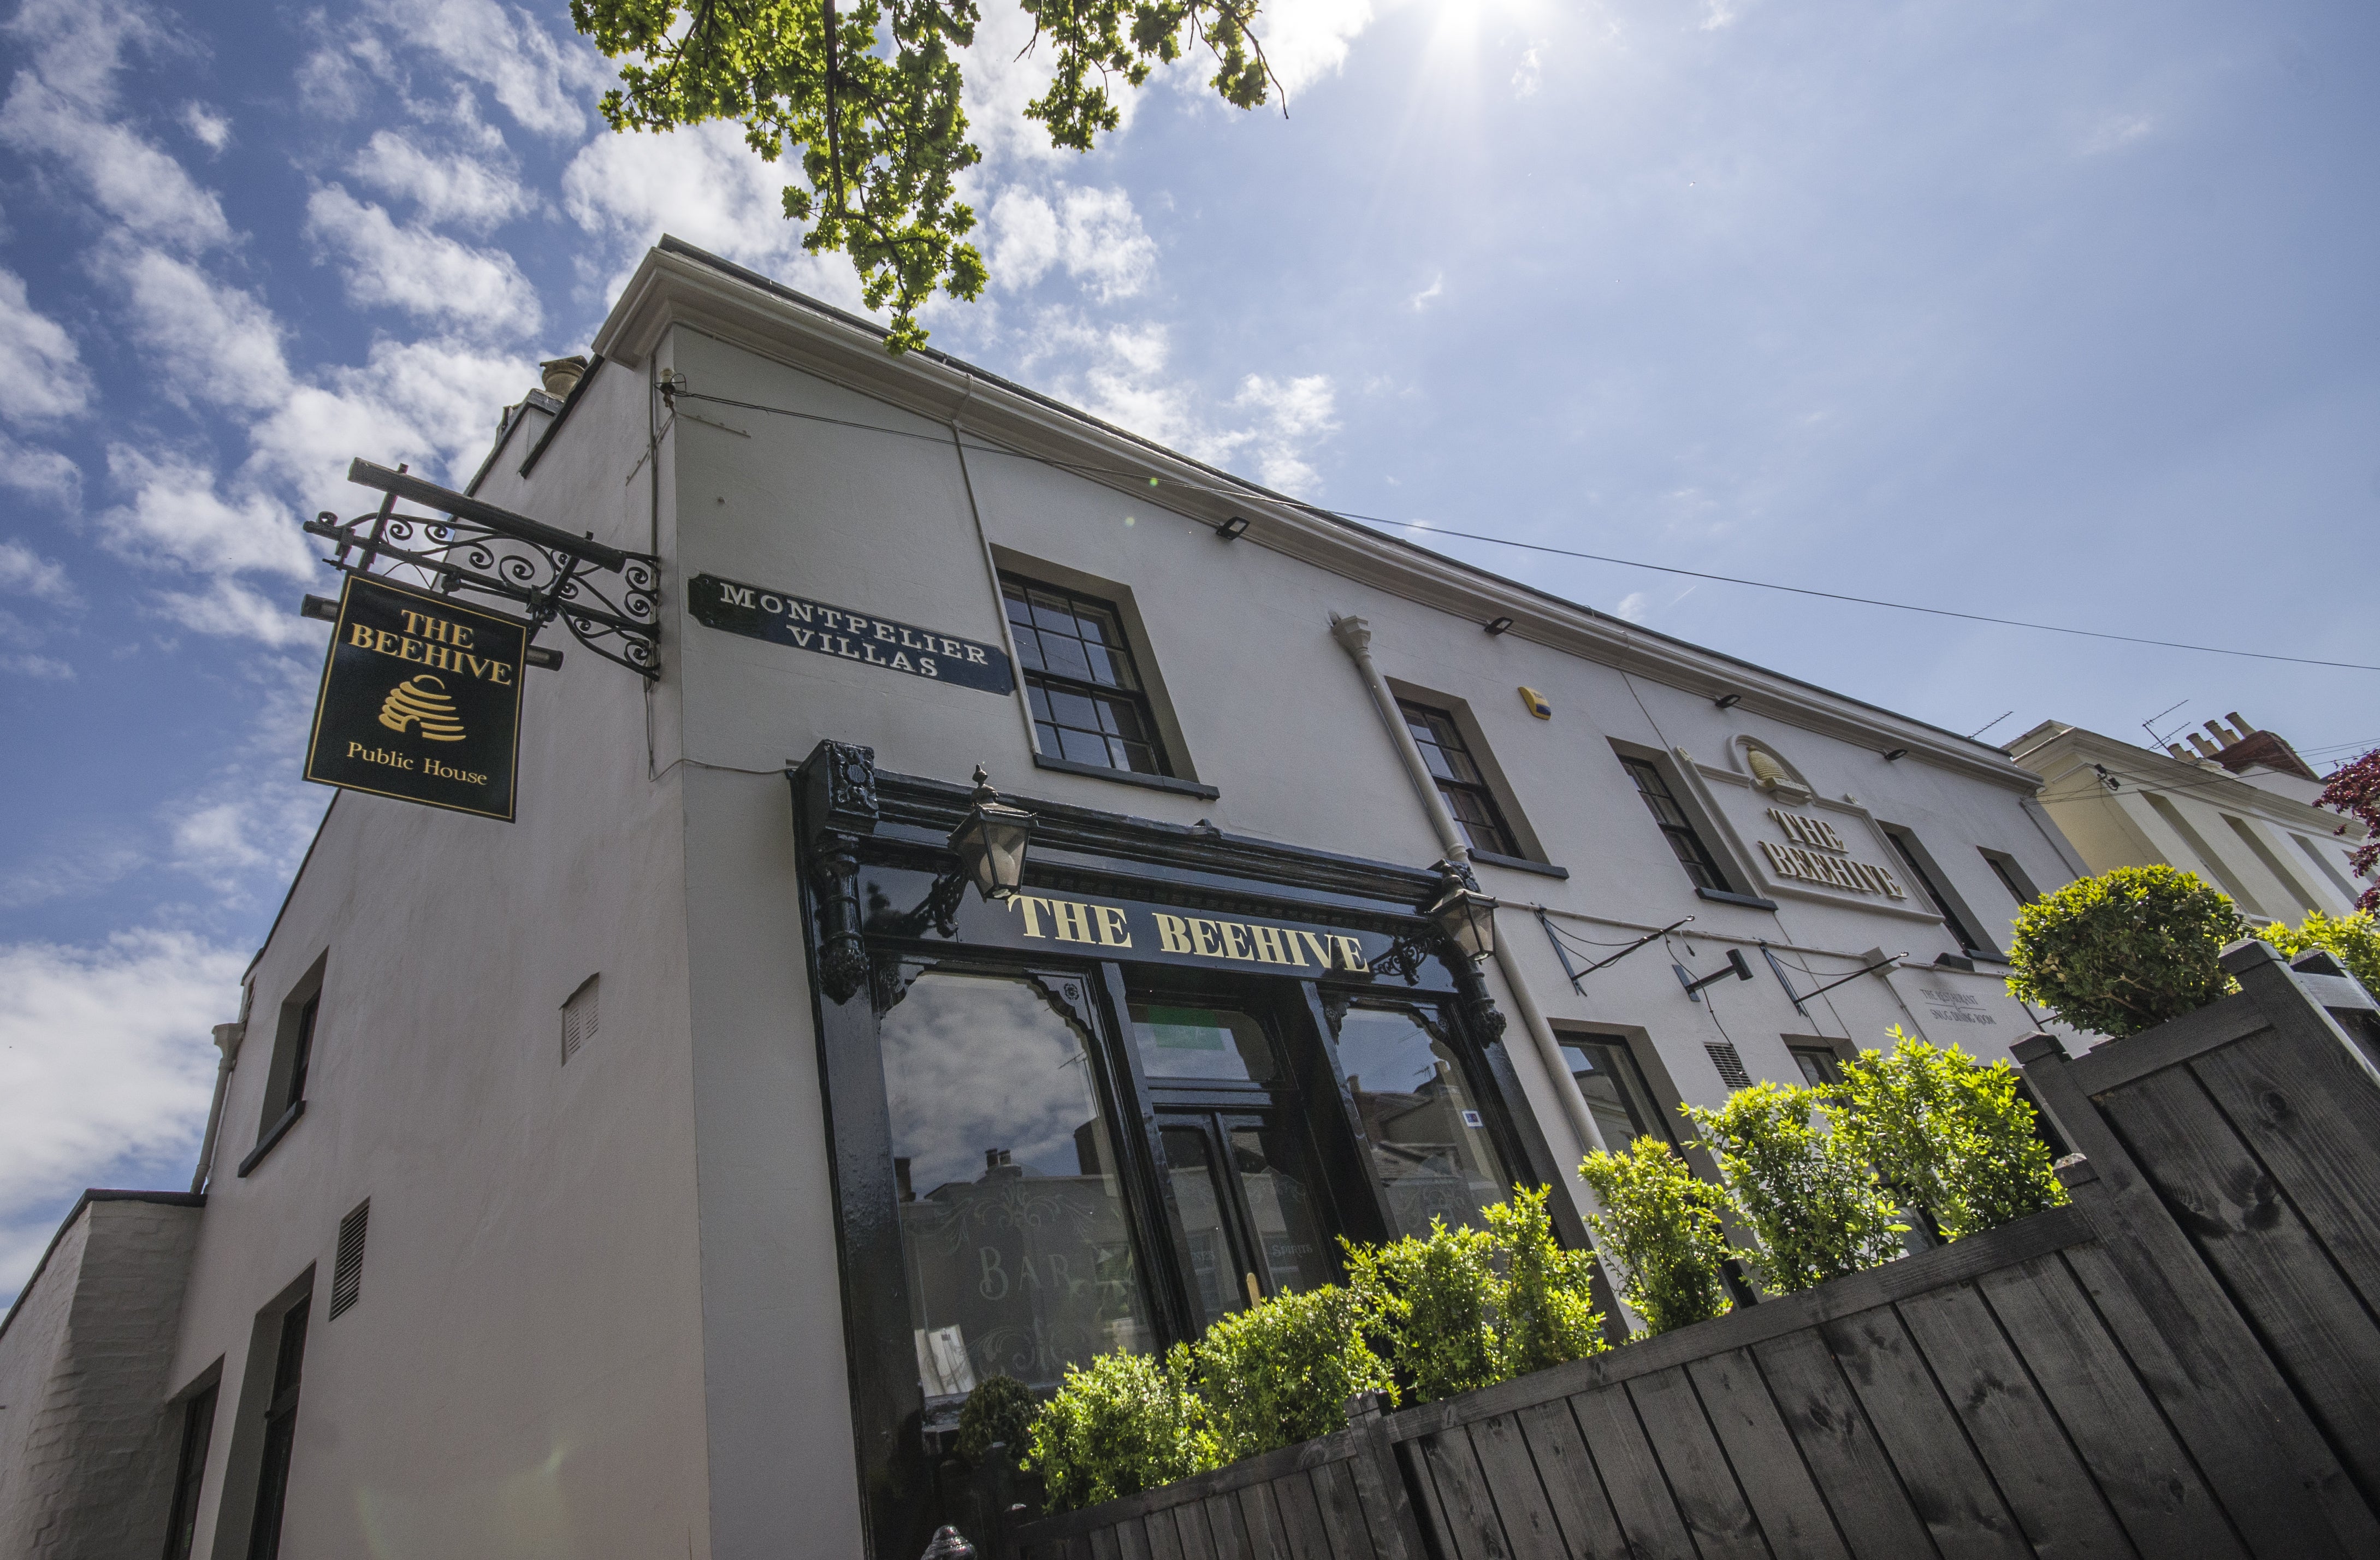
x: 608, y: 598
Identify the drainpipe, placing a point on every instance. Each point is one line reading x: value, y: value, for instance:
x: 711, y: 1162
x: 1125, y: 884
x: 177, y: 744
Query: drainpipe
x: 1355, y: 635
x: 228, y: 1039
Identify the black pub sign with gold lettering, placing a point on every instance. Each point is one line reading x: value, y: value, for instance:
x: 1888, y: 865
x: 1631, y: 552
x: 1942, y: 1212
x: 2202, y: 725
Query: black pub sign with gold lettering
x: 420, y: 700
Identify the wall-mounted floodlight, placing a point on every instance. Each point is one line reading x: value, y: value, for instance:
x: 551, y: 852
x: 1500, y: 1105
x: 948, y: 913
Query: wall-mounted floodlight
x: 1231, y: 529
x: 1728, y: 701
x: 1736, y: 966
x: 1896, y: 754
x: 1497, y: 625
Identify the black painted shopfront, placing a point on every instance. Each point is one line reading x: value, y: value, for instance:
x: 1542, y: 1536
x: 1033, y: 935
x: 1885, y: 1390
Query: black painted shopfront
x: 1157, y: 1082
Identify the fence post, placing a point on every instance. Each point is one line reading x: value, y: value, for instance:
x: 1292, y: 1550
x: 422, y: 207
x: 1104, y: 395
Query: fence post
x: 2227, y: 1400
x: 1381, y: 1482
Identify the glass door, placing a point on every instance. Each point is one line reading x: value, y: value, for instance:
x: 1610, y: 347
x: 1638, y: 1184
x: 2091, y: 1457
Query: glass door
x: 1244, y: 1190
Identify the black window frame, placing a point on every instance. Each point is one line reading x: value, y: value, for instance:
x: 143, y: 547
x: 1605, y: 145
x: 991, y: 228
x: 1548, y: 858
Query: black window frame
x: 1694, y: 854
x: 1035, y: 675
x: 1445, y: 736
x: 1831, y: 1072
x: 301, y: 1050
x: 2011, y: 875
x: 1637, y: 1096
x: 280, y: 1431
x: 190, y: 1470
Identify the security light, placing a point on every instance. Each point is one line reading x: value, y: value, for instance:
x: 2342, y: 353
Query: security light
x: 1498, y: 625
x: 1895, y: 754
x: 1229, y: 529
x: 989, y: 841
x: 1728, y: 701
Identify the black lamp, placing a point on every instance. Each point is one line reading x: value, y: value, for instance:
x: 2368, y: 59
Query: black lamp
x: 1895, y: 756
x: 1233, y: 527
x: 1498, y: 625
x: 989, y: 841
x: 1467, y: 917
x: 1728, y: 701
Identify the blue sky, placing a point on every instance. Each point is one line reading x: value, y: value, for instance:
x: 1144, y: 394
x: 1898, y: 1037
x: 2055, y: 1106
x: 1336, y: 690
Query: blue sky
x: 2058, y: 311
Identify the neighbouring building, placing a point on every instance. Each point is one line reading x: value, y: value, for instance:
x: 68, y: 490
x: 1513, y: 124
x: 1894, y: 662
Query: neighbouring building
x: 2236, y: 807
x: 654, y: 1175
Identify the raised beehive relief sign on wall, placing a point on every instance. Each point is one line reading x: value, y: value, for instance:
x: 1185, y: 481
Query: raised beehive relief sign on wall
x: 832, y: 629
x: 1814, y: 852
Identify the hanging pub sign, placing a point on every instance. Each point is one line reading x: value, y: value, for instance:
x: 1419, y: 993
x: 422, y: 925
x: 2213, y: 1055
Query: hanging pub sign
x: 420, y: 700
x: 759, y: 612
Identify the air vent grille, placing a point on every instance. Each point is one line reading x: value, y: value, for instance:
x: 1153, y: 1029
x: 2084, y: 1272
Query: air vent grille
x: 1724, y: 1056
x: 348, y: 1278
x: 579, y: 1017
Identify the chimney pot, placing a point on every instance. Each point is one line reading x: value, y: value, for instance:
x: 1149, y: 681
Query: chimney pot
x: 2241, y: 726
x: 561, y: 375
x: 2222, y: 737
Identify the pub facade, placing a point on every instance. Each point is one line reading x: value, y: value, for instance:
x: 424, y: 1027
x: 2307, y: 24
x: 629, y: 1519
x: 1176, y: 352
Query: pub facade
x: 1046, y: 895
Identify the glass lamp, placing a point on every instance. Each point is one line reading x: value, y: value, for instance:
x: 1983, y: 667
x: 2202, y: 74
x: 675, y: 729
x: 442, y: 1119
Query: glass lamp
x: 1468, y: 919
x: 989, y: 841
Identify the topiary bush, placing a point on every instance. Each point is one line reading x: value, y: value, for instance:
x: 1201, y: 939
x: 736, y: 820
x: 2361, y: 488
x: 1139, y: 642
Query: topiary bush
x: 1282, y: 1372
x: 2125, y: 951
x: 998, y: 1410
x: 1545, y: 1296
x: 1121, y: 1424
x: 2352, y: 939
x: 1662, y: 1224
x: 1812, y: 1201
x: 1950, y: 1133
x: 1430, y: 1300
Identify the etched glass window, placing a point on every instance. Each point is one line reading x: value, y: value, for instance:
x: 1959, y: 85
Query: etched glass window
x: 1430, y: 1142
x: 1013, y: 1221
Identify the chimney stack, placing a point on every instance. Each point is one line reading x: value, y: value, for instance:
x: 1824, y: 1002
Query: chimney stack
x: 561, y: 375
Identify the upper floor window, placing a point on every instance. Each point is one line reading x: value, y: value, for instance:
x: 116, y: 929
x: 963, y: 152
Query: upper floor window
x: 1089, y: 703
x: 1676, y: 827
x: 1913, y: 855
x: 1459, y: 779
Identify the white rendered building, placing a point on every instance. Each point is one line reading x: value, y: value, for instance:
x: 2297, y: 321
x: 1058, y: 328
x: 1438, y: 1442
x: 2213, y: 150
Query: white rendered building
x: 2238, y: 812
x: 653, y: 1175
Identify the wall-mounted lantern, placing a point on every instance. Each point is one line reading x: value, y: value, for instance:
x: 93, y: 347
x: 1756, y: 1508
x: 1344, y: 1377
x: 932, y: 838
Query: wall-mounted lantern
x: 990, y: 842
x: 1467, y: 919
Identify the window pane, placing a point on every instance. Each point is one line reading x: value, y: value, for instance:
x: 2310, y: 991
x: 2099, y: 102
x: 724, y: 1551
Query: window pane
x: 1012, y: 1215
x: 1274, y: 1180
x: 1214, y: 1271
x: 1616, y: 1092
x: 1819, y: 1068
x: 1213, y: 1043
x: 1430, y: 1143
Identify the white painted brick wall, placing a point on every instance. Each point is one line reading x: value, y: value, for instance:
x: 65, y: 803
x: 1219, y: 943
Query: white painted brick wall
x: 87, y: 1445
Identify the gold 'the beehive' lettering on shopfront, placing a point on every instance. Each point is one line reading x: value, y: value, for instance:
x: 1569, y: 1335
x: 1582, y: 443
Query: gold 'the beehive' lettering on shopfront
x: 1820, y: 856
x: 1246, y: 942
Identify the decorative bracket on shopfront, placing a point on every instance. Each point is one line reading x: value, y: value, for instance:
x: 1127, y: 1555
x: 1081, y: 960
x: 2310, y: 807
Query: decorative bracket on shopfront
x: 607, y: 598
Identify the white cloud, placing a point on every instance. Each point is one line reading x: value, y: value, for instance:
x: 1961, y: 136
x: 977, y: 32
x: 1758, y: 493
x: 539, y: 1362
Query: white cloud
x: 539, y: 81
x: 210, y: 129
x: 29, y: 469
x: 1632, y: 606
x: 2115, y: 131
x: 1430, y: 294
x: 471, y: 192
x: 42, y: 375
x: 1094, y: 234
x: 106, y: 1067
x: 1306, y: 40
x: 175, y: 513
x: 1289, y: 415
x: 60, y: 103
x: 432, y: 403
x: 42, y: 667
x: 427, y: 274
x: 1530, y: 74
x: 215, y: 343
x: 24, y: 570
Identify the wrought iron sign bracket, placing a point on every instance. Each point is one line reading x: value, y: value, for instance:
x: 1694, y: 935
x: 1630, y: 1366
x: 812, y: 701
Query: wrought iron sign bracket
x: 607, y: 598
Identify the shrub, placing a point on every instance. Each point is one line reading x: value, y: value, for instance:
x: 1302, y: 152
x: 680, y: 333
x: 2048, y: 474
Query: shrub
x: 2355, y: 790
x: 1662, y: 1224
x: 1952, y: 1136
x: 1545, y: 1296
x: 1812, y: 1201
x: 999, y: 1409
x: 2125, y: 951
x: 1282, y: 1372
x: 1121, y: 1424
x: 2353, y: 939
x: 1431, y: 1300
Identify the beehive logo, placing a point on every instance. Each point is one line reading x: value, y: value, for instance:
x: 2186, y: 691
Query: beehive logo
x: 421, y: 702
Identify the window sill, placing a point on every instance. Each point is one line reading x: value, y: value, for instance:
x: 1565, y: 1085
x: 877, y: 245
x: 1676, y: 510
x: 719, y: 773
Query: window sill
x: 1751, y: 900
x: 280, y: 1130
x: 1127, y: 777
x: 1543, y: 869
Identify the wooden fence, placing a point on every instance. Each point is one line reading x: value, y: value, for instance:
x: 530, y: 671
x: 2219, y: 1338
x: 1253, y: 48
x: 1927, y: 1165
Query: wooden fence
x: 2184, y: 1362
